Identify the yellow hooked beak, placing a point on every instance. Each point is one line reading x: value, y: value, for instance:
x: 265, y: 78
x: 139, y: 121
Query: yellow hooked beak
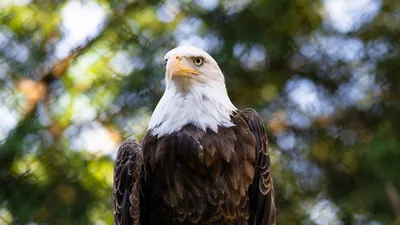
x: 177, y: 66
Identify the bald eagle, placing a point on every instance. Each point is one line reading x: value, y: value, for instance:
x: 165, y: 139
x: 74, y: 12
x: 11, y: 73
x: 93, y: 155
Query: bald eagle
x: 202, y: 161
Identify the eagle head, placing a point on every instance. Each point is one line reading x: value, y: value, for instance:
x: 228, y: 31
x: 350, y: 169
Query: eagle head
x: 195, y: 93
x: 188, y: 66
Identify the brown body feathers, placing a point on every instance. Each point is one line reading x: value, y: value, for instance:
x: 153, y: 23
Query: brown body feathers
x: 197, y: 177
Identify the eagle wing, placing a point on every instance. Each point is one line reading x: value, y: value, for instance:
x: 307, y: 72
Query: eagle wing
x: 261, y: 192
x: 126, y: 187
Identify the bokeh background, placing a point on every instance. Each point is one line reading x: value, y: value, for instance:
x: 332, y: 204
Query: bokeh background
x: 78, y: 77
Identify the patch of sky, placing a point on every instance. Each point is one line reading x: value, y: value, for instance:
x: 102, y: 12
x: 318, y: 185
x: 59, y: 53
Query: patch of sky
x: 9, y: 119
x: 10, y: 112
x: 308, y: 174
x: 187, y: 31
x: 61, y: 104
x: 123, y: 64
x: 20, y: 52
x: 43, y: 117
x: 286, y: 140
x: 4, y: 69
x: 324, y: 212
x: 250, y: 56
x: 5, y: 37
x: 82, y: 109
x: 167, y: 11
x: 8, y: 3
x: 214, y: 42
x: 361, y: 90
x: 298, y: 119
x: 308, y: 98
x: 31, y: 143
x: 13, y: 49
x: 80, y: 20
x: 334, y: 46
x: 92, y: 137
x: 208, y: 5
x: 234, y: 6
x: 209, y: 43
x: 347, y: 16
x: 379, y: 49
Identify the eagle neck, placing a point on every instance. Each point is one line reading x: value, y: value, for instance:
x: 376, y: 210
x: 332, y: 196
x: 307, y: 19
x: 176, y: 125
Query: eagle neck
x: 206, y: 106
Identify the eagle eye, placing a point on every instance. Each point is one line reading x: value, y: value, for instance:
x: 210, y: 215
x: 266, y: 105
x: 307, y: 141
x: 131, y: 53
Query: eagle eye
x: 198, y: 61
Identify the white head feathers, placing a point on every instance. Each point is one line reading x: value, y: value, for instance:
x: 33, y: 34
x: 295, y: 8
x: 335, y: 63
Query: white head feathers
x: 195, y: 93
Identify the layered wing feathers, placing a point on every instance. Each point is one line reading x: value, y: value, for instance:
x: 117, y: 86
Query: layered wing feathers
x: 261, y: 192
x: 126, y: 186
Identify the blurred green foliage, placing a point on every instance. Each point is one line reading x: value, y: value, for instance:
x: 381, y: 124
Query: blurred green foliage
x: 78, y: 77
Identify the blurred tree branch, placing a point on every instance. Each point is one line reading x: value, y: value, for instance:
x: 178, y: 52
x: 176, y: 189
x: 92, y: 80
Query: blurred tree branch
x: 394, y: 198
x: 61, y: 67
x: 4, y: 220
x: 35, y: 92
